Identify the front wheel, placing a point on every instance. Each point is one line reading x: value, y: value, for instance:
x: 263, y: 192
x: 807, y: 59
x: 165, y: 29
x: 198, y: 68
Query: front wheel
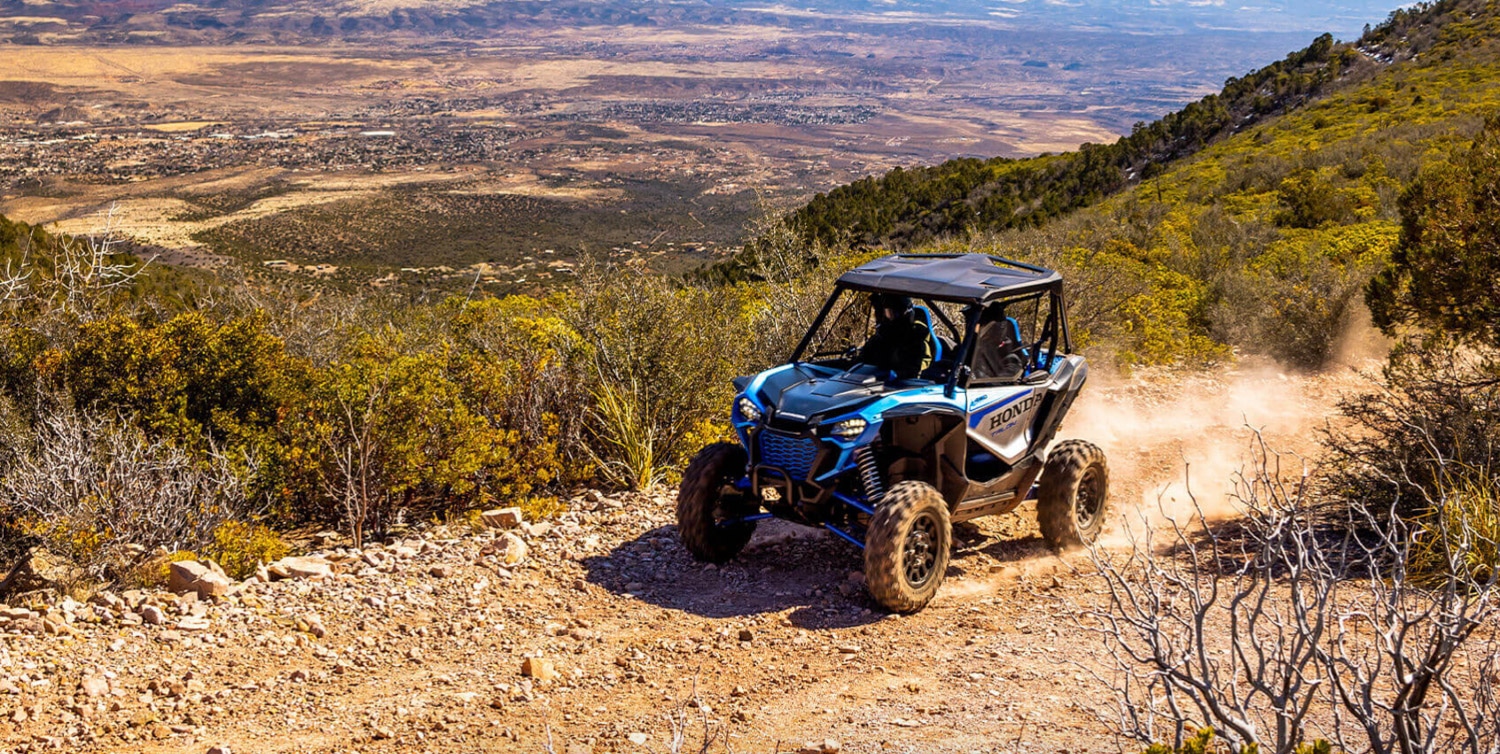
x: 707, y: 499
x: 1072, y: 503
x: 907, y: 547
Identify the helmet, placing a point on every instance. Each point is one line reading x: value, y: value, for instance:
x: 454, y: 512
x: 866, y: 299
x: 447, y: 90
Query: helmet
x: 890, y: 306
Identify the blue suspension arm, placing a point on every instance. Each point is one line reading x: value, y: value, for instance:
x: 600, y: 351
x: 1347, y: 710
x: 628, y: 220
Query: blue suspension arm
x: 852, y: 503
x: 745, y: 519
x: 845, y: 535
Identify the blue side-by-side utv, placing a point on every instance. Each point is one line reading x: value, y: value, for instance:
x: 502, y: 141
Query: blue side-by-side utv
x: 888, y: 450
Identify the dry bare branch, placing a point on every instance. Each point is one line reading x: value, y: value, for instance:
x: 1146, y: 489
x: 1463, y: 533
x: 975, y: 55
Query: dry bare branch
x: 1296, y: 623
x: 109, y: 496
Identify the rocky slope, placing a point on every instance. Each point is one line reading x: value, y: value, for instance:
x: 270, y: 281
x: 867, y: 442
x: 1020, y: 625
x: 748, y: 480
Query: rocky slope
x: 596, y: 632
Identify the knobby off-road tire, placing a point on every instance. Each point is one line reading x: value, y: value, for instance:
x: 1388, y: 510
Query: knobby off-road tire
x: 701, y: 504
x: 1072, y: 505
x: 907, y: 547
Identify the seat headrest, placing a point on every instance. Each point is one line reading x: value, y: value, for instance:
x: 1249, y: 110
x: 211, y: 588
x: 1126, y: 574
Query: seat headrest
x: 1013, y: 329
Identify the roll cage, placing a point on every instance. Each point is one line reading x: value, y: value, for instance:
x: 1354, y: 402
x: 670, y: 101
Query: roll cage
x: 975, y: 282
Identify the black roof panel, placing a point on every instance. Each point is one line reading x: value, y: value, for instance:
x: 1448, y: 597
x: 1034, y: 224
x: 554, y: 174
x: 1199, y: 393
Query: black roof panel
x: 964, y: 278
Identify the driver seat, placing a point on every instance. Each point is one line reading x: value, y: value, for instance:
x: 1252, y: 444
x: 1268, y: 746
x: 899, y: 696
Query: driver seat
x: 925, y: 317
x: 941, y: 348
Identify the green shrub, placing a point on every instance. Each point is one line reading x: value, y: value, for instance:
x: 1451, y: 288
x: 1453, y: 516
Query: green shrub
x: 1294, y: 301
x: 387, y: 432
x: 660, y: 358
x: 191, y: 380
x: 1460, y: 534
x: 463, y: 405
x: 1446, y: 271
x: 239, y: 546
x: 516, y: 362
x: 1309, y: 201
x: 1438, y: 415
x: 1203, y: 742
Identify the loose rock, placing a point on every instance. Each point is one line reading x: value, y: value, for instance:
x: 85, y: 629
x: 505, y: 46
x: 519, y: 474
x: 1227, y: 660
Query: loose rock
x: 192, y: 623
x: 153, y: 615
x: 539, y: 668
x: 511, y: 549
x: 94, y: 686
x: 300, y: 568
x: 826, y: 746
x: 502, y: 518
x: 203, y: 577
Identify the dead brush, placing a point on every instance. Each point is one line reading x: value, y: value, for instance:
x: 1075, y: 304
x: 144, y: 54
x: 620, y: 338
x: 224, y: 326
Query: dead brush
x: 1304, y: 621
x: 109, y: 498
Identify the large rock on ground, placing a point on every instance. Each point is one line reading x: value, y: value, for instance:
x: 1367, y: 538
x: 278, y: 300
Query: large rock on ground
x: 502, y: 518
x: 539, y: 668
x: 94, y: 686
x: 37, y: 570
x: 202, y: 576
x: 511, y: 549
x: 153, y: 615
x: 300, y: 568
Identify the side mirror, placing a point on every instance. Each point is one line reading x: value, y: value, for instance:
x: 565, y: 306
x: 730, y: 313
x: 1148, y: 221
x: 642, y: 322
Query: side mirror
x: 959, y: 378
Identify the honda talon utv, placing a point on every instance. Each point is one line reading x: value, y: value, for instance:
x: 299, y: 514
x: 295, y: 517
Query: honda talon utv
x: 925, y: 393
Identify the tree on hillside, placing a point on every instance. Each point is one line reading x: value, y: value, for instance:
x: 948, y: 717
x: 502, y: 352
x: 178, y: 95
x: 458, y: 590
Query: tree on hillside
x: 1445, y: 274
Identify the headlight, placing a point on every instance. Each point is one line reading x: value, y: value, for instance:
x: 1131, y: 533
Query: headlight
x: 850, y: 428
x: 748, y: 410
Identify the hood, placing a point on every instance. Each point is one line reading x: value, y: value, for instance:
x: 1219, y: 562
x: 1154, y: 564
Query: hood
x: 803, y: 394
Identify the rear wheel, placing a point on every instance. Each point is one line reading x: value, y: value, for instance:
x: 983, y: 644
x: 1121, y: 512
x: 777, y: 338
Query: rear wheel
x: 1072, y: 503
x: 907, y: 547
x: 707, y: 499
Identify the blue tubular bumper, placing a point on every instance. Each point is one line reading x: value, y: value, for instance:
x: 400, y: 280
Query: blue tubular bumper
x: 852, y: 502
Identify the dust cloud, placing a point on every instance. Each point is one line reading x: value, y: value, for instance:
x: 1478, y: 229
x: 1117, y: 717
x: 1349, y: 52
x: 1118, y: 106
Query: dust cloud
x: 1176, y: 441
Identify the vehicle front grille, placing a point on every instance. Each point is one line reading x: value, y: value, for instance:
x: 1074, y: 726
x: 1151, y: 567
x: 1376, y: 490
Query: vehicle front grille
x: 794, y: 455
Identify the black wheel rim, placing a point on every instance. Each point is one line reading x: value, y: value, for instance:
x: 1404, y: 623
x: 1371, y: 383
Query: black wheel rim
x: 1090, y: 499
x: 919, y: 554
x: 728, y: 506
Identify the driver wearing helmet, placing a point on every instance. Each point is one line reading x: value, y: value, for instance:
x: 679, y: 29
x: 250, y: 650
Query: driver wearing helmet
x: 900, y: 344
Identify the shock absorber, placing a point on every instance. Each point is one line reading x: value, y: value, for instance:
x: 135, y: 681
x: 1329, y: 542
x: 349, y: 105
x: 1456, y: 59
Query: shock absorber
x: 869, y: 474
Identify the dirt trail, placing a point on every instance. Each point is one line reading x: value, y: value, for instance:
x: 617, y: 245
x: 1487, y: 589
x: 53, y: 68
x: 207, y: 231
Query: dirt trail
x: 423, y: 641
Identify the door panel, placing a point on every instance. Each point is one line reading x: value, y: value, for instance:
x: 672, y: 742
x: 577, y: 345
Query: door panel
x: 1000, y: 418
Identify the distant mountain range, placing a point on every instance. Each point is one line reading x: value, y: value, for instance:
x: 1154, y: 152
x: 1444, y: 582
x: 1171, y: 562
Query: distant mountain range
x: 217, y: 21
x: 1342, y: 18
